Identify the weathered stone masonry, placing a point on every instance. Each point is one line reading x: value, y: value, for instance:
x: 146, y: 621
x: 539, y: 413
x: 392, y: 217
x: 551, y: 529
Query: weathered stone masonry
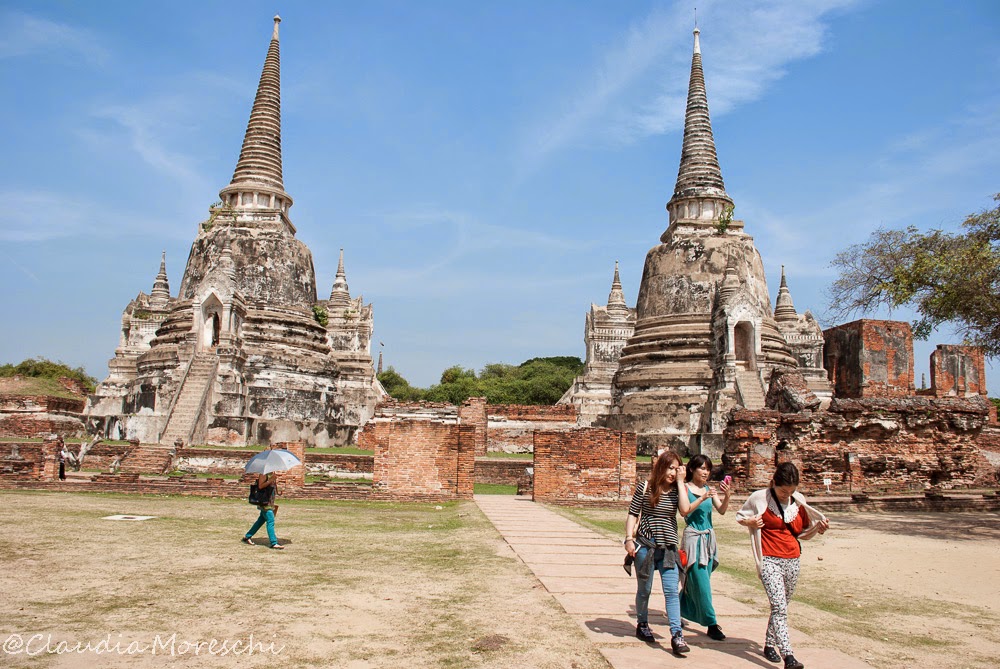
x: 871, y: 444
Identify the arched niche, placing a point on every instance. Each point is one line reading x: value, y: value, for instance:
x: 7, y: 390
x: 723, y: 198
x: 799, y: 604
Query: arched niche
x: 744, y: 344
x: 211, y: 323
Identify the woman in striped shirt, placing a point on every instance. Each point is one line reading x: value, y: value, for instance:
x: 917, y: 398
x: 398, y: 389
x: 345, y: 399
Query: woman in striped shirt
x: 651, y: 538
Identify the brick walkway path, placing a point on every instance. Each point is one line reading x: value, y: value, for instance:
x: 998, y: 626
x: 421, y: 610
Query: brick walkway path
x: 582, y: 571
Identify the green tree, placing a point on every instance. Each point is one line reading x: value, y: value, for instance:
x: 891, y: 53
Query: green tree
x: 946, y: 277
x: 456, y: 372
x: 398, y: 387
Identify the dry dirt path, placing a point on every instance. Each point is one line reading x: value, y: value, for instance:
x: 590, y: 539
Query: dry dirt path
x: 582, y: 571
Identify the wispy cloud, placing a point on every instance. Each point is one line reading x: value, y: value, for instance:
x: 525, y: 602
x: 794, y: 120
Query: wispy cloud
x: 640, y: 86
x: 40, y: 216
x: 916, y: 179
x: 454, y: 263
x: 23, y: 35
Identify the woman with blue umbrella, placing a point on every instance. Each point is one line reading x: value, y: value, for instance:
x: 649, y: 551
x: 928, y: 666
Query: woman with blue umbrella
x: 265, y: 464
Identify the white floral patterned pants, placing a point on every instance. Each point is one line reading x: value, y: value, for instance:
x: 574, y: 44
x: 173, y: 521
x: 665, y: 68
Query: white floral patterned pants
x: 779, y: 576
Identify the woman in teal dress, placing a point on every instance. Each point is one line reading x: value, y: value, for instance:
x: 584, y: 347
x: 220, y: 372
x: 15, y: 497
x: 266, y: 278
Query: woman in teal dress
x: 699, y: 543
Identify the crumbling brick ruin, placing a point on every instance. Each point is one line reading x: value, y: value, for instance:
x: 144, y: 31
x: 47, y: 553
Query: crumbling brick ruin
x: 37, y: 416
x: 584, y: 466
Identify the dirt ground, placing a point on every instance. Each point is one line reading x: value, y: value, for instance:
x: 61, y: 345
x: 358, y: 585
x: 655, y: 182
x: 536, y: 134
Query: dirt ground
x: 918, y: 590
x: 384, y: 585
x: 358, y: 586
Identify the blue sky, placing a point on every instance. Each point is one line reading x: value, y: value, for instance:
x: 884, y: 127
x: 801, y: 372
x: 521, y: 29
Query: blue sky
x: 483, y: 164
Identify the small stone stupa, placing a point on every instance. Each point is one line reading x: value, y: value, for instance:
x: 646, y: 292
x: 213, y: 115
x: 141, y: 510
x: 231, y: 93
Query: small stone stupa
x: 705, y: 337
x: 245, y: 353
x: 606, y: 330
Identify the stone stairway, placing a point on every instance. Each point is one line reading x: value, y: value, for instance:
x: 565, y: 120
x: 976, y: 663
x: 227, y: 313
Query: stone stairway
x: 148, y: 459
x: 751, y: 391
x: 190, y: 398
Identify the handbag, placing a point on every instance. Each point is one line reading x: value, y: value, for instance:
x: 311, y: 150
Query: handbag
x: 260, y: 496
x: 683, y: 557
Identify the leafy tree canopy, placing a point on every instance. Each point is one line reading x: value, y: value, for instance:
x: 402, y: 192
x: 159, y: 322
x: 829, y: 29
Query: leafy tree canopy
x: 946, y: 277
x: 535, y: 381
x: 41, y: 368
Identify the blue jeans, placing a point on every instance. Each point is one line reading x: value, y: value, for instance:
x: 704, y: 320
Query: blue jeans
x: 668, y: 579
x: 266, y: 516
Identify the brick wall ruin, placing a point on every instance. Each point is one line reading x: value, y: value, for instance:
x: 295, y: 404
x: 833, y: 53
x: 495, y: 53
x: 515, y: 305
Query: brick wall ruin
x: 958, y: 370
x: 473, y: 413
x: 870, y: 358
x: 511, y: 426
x: 424, y: 460
x: 29, y: 460
x: 874, y: 444
x: 584, y: 466
x: 38, y: 416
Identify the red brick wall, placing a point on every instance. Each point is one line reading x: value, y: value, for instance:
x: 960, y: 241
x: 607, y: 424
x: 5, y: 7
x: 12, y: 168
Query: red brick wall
x: 865, y: 445
x: 870, y: 358
x: 502, y: 472
x: 29, y: 461
x: 958, y: 370
x: 585, y: 465
x: 511, y: 426
x: 38, y: 416
x: 424, y: 459
x: 40, y: 403
x: 473, y: 413
x: 534, y: 412
x: 296, y: 476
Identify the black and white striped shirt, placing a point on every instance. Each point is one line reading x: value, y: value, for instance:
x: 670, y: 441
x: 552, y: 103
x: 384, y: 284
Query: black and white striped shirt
x: 659, y: 524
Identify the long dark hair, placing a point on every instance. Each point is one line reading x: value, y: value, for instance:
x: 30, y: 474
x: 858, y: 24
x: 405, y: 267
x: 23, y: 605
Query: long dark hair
x: 658, y: 478
x: 785, y: 474
x: 695, y: 463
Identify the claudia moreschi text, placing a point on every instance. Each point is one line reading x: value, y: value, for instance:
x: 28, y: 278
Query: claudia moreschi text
x: 117, y: 644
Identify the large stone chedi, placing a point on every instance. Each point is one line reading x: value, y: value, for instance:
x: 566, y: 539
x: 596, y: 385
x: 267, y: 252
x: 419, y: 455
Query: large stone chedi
x: 705, y: 336
x: 245, y: 353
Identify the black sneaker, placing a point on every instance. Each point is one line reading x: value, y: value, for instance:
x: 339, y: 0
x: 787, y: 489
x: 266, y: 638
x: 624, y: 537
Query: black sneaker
x: 643, y: 632
x: 248, y: 540
x: 678, y: 645
x: 771, y: 654
x: 715, y: 633
x: 792, y: 663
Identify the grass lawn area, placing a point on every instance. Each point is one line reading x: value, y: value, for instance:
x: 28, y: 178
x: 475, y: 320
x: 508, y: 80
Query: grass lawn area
x: 359, y: 585
x: 494, y: 489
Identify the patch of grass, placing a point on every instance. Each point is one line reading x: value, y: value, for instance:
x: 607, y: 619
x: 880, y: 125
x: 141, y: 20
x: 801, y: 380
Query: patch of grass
x: 494, y: 489
x: 610, y: 522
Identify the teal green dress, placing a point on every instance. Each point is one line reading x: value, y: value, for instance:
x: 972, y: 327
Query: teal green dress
x: 696, y: 598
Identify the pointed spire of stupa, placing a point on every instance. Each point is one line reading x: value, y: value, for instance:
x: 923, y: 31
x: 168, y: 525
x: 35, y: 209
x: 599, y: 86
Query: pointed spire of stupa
x: 257, y: 181
x: 616, y: 298
x: 379, y: 363
x: 699, y: 177
x: 160, y: 295
x: 784, y: 310
x: 340, y: 295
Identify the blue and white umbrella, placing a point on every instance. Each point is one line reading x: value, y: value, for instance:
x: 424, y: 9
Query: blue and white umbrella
x: 269, y: 461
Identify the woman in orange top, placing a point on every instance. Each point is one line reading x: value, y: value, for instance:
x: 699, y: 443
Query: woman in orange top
x: 777, y: 518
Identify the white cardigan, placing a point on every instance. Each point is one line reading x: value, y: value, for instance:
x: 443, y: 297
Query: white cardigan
x: 756, y: 504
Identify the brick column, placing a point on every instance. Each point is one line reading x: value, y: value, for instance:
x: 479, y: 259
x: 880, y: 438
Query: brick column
x: 627, y: 475
x: 296, y: 476
x: 48, y: 468
x: 473, y: 413
x: 466, y: 460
